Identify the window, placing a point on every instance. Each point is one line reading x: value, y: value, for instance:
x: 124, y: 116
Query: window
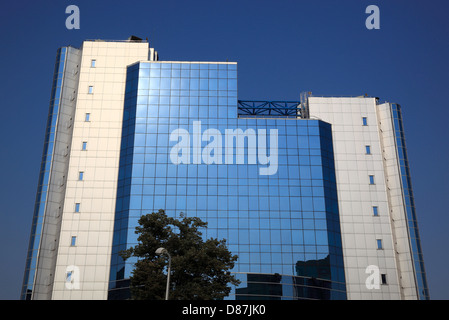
x: 368, y: 149
x: 371, y: 179
x: 92, y: 63
x: 379, y: 244
x: 383, y: 278
x: 73, y: 241
x: 365, y: 121
x: 87, y: 118
x: 375, y: 211
x: 81, y: 175
x: 77, y: 207
x: 68, y: 277
x: 91, y: 89
x: 84, y: 145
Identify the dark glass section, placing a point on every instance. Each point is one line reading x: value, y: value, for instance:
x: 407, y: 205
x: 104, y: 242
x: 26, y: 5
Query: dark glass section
x: 44, y: 176
x: 415, y: 242
x: 121, y: 291
x: 291, y: 287
x: 260, y: 287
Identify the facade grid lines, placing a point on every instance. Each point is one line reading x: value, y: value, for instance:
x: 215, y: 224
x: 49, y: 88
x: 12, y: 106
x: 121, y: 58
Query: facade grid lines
x: 305, y: 224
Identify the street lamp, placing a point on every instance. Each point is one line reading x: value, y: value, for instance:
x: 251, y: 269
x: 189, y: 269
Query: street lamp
x: 164, y: 251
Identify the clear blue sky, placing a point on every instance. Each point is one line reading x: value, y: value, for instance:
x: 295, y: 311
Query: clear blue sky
x: 282, y: 47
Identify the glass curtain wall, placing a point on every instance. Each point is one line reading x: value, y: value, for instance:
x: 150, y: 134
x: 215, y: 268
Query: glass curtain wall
x: 284, y: 225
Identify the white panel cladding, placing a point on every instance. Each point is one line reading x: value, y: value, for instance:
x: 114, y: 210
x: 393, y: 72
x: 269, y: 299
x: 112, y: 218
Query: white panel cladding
x: 360, y: 228
x: 93, y: 225
x: 397, y: 212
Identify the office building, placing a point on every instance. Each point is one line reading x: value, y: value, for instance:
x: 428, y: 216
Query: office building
x: 314, y: 196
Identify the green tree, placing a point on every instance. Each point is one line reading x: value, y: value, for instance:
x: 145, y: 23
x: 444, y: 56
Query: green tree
x: 200, y: 269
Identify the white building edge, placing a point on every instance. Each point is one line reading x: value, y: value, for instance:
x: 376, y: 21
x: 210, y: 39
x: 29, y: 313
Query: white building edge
x: 357, y: 196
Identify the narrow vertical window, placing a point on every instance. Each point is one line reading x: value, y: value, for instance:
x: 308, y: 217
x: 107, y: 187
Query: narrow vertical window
x: 68, y: 277
x: 87, y: 118
x: 91, y: 90
x: 383, y: 277
x: 368, y: 149
x: 365, y: 121
x: 73, y: 241
x: 379, y: 244
x: 84, y: 145
x: 81, y: 175
x: 77, y: 207
x: 371, y: 179
x: 93, y: 63
x: 375, y: 211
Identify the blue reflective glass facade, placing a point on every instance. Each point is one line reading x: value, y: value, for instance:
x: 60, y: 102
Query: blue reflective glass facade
x: 415, y: 242
x: 44, y: 175
x: 284, y: 227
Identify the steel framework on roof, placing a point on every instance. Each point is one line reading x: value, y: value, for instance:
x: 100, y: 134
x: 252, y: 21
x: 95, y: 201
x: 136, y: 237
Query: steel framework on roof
x: 289, y: 109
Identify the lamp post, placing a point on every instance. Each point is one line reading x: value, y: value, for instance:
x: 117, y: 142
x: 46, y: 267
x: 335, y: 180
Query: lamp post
x: 164, y: 251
